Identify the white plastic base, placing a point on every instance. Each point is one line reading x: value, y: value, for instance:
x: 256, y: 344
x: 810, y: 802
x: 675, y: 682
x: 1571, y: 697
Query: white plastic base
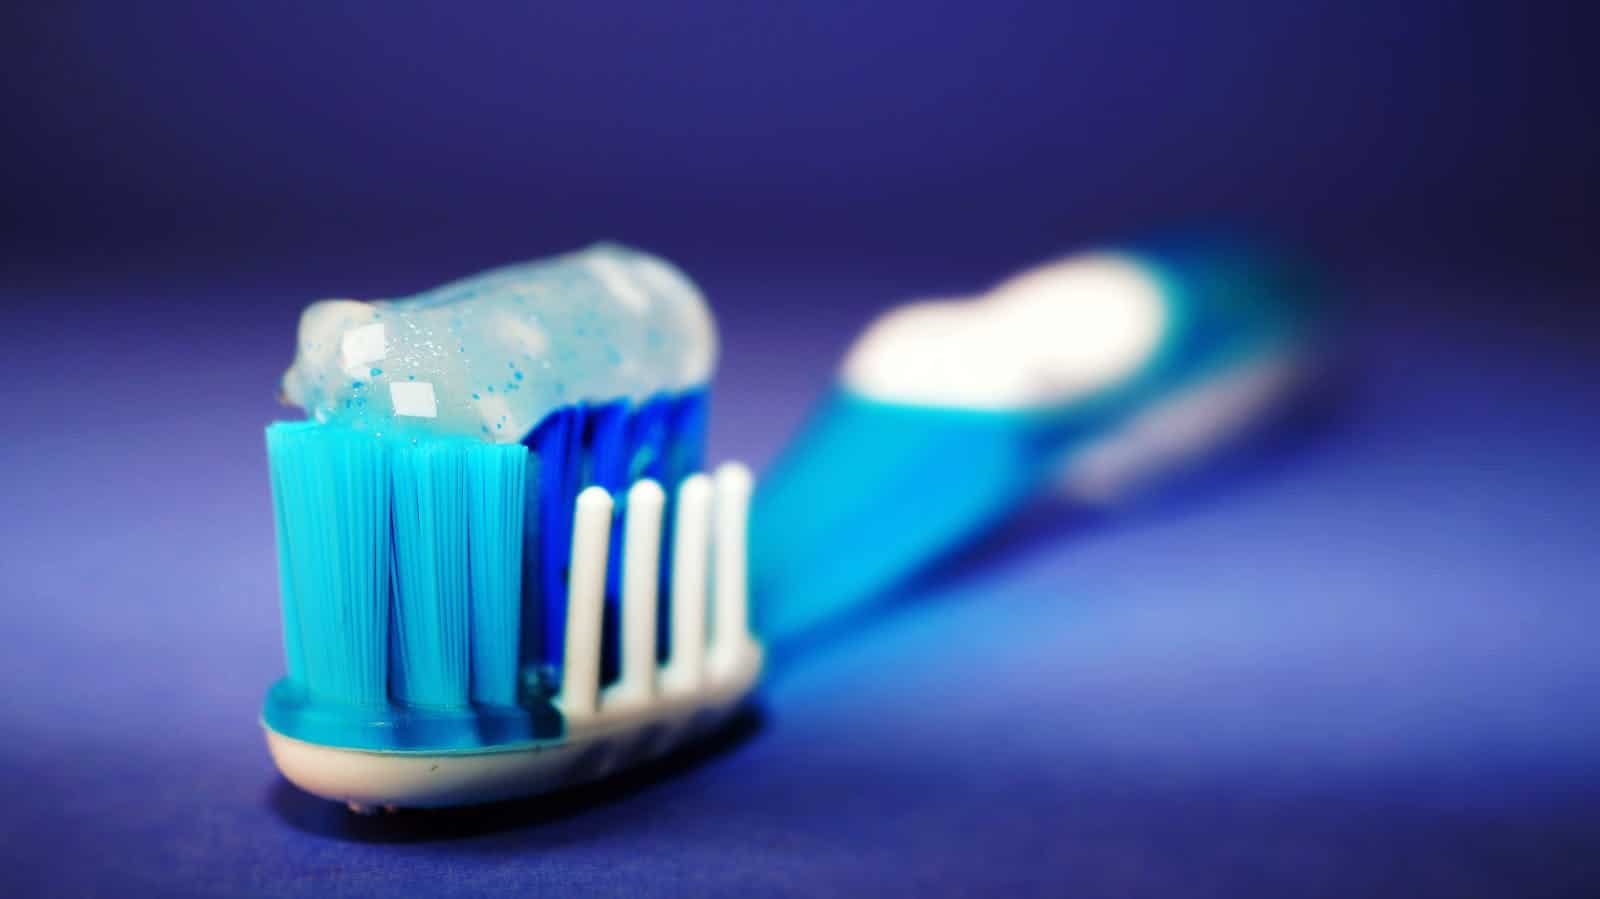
x: 623, y: 732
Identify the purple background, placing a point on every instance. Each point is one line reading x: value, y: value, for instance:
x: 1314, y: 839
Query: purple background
x: 1363, y: 664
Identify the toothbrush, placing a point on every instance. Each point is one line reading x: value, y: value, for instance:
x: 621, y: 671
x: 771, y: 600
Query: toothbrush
x: 493, y: 504
x: 503, y: 574
x: 1094, y: 377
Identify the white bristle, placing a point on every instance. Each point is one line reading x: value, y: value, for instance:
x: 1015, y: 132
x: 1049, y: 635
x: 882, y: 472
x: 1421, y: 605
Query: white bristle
x: 586, y: 589
x: 691, y: 539
x: 730, y: 622
x: 641, y: 566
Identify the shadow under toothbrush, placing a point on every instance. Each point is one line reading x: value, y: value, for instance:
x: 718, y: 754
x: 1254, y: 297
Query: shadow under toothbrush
x: 320, y: 817
x: 1271, y: 451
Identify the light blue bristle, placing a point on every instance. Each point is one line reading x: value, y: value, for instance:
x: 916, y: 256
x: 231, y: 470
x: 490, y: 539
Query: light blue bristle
x: 432, y: 595
x: 278, y: 466
x: 331, y: 495
x: 497, y: 495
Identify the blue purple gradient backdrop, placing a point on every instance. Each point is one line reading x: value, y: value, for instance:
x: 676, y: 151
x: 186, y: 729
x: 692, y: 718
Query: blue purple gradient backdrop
x: 1364, y: 663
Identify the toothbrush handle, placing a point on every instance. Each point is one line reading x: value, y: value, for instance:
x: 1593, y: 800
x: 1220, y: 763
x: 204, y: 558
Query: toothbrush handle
x: 872, y: 491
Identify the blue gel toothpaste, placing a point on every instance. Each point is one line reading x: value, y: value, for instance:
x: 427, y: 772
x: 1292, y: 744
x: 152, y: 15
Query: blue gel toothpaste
x: 491, y: 357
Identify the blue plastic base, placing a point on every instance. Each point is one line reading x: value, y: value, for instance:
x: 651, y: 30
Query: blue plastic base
x: 292, y: 711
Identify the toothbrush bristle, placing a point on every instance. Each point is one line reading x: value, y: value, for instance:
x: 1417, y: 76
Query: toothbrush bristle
x: 431, y: 591
x: 611, y: 445
x: 332, y: 496
x: 496, y: 495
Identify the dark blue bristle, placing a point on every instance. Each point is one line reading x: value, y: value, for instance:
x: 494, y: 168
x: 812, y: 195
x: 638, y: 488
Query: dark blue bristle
x: 530, y: 649
x: 610, y: 444
x: 558, y: 442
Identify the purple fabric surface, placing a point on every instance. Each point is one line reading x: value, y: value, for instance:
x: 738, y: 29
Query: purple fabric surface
x: 1363, y: 665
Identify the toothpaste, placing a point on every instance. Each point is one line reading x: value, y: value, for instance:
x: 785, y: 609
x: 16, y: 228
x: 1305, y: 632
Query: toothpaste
x: 490, y: 356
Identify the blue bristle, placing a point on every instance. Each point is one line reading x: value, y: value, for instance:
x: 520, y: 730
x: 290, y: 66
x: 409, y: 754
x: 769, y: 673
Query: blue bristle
x: 432, y: 593
x: 607, y: 438
x: 685, y: 450
x: 279, y: 468
x: 331, y: 495
x: 557, y: 441
x: 530, y: 652
x: 611, y: 444
x: 648, y: 430
x: 497, y: 495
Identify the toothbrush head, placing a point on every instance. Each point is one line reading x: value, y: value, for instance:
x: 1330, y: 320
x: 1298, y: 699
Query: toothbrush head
x: 501, y: 570
x: 387, y: 728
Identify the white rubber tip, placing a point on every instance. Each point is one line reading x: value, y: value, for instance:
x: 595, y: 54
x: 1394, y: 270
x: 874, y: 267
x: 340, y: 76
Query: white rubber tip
x: 641, y: 567
x: 586, y: 596
x: 730, y: 623
x: 690, y: 558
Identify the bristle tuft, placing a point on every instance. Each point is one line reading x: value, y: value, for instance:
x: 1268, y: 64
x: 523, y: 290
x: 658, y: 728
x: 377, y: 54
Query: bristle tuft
x: 497, y: 485
x: 331, y: 495
x: 432, y: 608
